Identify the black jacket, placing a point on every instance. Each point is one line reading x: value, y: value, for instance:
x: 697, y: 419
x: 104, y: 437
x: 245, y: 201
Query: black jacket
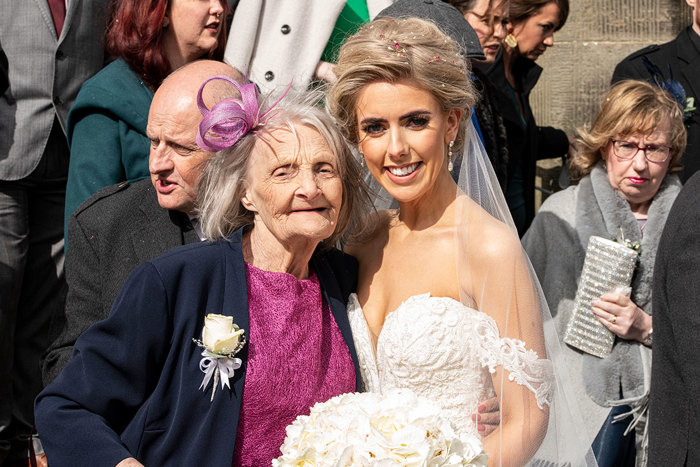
x: 683, y: 56
x: 674, y: 405
x: 526, y: 143
x: 112, y: 232
x: 491, y: 124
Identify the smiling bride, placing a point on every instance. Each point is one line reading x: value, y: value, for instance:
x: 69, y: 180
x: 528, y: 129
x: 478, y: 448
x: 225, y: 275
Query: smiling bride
x: 447, y: 304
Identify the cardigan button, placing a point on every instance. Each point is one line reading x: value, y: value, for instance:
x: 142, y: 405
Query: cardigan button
x: 269, y: 76
x: 285, y: 29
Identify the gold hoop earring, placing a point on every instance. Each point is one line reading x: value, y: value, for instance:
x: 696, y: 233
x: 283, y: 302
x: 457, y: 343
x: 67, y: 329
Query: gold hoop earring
x: 511, y: 41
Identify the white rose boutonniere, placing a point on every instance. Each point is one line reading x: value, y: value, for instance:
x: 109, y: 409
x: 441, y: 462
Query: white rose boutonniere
x: 221, y: 339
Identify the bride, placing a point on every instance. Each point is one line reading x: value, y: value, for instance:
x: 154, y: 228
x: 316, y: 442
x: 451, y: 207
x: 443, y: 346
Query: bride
x: 447, y: 304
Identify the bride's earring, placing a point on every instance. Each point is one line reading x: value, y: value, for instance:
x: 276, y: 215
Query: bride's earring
x: 511, y: 41
x: 450, y: 165
x: 362, y: 160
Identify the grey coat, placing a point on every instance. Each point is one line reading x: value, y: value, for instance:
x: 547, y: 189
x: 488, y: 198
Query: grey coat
x: 42, y: 74
x: 556, y: 244
x: 112, y: 232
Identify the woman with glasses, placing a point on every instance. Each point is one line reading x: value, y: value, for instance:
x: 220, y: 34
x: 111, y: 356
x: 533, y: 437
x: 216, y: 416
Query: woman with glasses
x: 626, y: 161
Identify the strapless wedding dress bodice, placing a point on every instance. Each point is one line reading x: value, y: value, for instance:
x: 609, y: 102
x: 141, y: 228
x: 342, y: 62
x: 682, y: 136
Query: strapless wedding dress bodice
x: 445, y: 351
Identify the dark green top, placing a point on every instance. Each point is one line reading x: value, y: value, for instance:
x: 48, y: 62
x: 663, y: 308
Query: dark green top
x: 107, y: 133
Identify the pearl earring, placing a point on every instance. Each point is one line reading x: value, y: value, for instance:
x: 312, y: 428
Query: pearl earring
x: 362, y: 160
x: 450, y: 165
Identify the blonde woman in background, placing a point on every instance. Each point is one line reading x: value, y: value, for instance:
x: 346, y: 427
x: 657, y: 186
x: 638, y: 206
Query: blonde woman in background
x: 627, y: 160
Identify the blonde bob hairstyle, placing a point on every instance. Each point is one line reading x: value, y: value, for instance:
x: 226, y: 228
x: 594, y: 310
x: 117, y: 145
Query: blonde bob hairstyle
x: 223, y: 181
x: 629, y: 107
x: 404, y: 49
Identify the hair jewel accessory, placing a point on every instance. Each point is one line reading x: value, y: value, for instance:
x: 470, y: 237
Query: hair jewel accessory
x: 229, y: 120
x: 435, y: 59
x: 396, y: 48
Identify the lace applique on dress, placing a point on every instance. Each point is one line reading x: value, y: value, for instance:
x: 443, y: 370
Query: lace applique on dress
x: 524, y: 366
x: 445, y: 351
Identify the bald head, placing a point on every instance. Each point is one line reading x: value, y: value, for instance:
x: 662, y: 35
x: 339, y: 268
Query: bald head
x: 181, y: 86
x: 175, y: 160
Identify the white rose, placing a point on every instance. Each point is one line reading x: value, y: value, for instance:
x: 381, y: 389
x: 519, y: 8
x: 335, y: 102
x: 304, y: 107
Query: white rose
x: 220, y: 335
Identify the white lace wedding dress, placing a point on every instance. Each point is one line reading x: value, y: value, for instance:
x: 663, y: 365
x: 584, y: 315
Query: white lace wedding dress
x: 445, y: 351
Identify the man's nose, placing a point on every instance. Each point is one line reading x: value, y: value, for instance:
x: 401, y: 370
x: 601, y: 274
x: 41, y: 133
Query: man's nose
x: 159, y: 159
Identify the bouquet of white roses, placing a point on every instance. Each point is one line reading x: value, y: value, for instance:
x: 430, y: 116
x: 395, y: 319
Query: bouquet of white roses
x: 363, y: 429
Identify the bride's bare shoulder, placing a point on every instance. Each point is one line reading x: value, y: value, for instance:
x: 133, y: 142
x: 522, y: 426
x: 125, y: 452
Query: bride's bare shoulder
x: 488, y: 238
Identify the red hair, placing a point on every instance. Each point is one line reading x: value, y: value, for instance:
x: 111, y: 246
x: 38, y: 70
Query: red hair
x: 135, y: 34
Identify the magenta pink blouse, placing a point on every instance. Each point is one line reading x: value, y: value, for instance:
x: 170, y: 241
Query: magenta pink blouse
x: 296, y: 357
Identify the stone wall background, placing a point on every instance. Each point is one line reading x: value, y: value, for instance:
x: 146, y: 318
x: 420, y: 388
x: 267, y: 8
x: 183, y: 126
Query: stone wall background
x: 577, y: 70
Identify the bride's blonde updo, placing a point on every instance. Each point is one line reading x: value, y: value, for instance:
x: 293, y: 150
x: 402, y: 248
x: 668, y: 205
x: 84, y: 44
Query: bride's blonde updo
x: 406, y: 49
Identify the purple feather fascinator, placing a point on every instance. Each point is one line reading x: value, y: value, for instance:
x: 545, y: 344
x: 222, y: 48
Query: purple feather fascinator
x: 230, y: 119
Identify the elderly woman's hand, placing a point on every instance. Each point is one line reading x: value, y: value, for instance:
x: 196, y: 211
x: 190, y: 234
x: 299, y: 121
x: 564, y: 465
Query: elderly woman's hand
x: 622, y: 316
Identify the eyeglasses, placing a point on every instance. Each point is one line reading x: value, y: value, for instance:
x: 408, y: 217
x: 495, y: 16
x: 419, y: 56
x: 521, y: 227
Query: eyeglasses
x: 625, y: 150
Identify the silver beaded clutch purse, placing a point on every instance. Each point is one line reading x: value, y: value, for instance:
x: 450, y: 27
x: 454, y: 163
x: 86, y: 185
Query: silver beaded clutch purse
x: 608, y: 265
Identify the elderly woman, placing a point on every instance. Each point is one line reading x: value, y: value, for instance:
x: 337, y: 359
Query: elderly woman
x: 627, y: 160
x: 107, y: 123
x: 531, y: 28
x: 139, y: 390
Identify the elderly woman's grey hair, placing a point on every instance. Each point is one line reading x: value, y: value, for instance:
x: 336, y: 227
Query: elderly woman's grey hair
x: 223, y: 181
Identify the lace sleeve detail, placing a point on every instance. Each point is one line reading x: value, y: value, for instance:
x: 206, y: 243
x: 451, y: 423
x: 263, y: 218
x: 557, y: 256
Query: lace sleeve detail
x: 524, y: 366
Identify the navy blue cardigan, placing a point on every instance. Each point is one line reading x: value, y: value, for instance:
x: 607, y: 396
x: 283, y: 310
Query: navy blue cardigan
x: 132, y: 386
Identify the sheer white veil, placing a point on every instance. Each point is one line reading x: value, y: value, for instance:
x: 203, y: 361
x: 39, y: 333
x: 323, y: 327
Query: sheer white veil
x: 562, y: 444
x: 482, y: 210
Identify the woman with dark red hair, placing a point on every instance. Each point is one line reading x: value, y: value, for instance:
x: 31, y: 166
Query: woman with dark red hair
x: 107, y: 123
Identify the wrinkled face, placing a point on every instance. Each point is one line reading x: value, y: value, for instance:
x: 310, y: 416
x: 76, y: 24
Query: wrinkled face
x: 536, y: 33
x: 175, y: 161
x: 293, y: 185
x: 638, y: 180
x: 488, y: 18
x: 404, y: 135
x: 194, y: 26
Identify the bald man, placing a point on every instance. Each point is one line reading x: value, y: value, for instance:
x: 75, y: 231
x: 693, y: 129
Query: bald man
x: 124, y: 225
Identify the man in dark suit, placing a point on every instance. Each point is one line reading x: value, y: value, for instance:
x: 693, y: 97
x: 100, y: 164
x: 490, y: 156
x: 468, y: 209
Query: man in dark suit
x: 674, y: 418
x: 126, y: 224
x: 48, y: 48
x: 682, y: 55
